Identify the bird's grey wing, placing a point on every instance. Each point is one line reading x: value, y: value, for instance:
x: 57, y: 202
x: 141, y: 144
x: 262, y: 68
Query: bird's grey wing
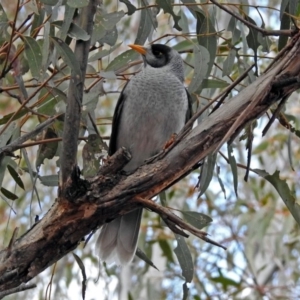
x: 115, y: 123
x: 189, y: 111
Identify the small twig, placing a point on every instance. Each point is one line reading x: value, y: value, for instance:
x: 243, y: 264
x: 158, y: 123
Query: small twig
x: 173, y: 221
x: 115, y: 162
x: 249, y: 24
x: 20, y: 288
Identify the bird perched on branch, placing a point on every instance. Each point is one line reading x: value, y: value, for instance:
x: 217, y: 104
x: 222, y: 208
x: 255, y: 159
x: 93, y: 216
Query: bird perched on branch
x: 153, y: 106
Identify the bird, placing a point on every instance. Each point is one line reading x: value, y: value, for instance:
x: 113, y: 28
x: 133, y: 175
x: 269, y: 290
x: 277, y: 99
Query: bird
x: 152, y: 107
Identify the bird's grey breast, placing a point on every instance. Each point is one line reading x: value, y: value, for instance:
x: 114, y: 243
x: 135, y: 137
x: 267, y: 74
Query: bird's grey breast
x: 155, y: 105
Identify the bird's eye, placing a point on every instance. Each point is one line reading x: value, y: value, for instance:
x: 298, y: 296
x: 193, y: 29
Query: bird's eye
x: 157, y: 53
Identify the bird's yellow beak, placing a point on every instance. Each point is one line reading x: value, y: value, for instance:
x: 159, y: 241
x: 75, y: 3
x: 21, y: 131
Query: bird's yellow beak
x: 139, y: 49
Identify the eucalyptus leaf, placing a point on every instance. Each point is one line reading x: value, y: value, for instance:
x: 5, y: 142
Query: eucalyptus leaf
x: 78, y: 3
x: 196, y: 219
x: 201, y: 61
x: 14, y: 174
x: 103, y: 53
x: 229, y: 62
x: 166, y: 5
x: 34, y: 55
x: 233, y: 166
x: 49, y: 180
x: 131, y: 8
x: 206, y: 35
x: 145, y: 26
x: 284, y: 192
x: 207, y: 171
x: 122, y: 60
x: 67, y: 55
x: 184, y: 258
x: 8, y: 194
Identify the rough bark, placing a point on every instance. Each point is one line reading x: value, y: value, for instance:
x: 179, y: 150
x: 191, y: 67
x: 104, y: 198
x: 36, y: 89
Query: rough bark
x: 87, y: 205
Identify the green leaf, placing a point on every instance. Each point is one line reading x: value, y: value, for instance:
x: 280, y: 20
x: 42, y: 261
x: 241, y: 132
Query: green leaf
x: 163, y: 198
x: 184, y: 258
x: 252, y: 40
x: 15, y: 175
x: 103, y: 53
x: 196, y: 219
x: 225, y: 281
x: 6, y: 135
x: 131, y: 8
x: 229, y: 62
x: 233, y: 166
x: 19, y: 115
x: 147, y: 23
x: 105, y: 27
x: 34, y: 55
x: 49, y: 180
x: 122, y: 60
x: 207, y: 171
x: 201, y: 61
x: 84, y: 279
x: 214, y: 84
x: 9, y: 194
x: 284, y: 192
x: 284, y: 24
x: 74, y: 31
x: 47, y: 150
x: 78, y: 3
x: 49, y: 105
x: 67, y: 55
x: 139, y: 253
x: 206, y: 36
x: 91, y: 155
x: 50, y: 2
x: 166, y: 249
x: 186, y: 45
x: 166, y: 5
x: 236, y: 33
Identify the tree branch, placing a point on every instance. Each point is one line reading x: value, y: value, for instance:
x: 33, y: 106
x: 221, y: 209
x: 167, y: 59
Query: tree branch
x: 75, y: 94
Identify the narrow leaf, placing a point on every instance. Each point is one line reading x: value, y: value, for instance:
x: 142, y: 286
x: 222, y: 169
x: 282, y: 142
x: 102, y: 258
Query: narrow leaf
x: 139, y: 253
x: 78, y: 3
x: 184, y: 258
x: 84, y: 279
x: 9, y: 194
x: 103, y: 53
x: 122, y: 60
x: 74, y: 31
x: 196, y: 219
x: 166, y: 5
x: 284, y: 192
x: 207, y: 171
x: 131, y: 8
x: 67, y: 55
x: 49, y: 180
x: 233, y: 166
x: 34, y: 55
x: 15, y: 175
x: 206, y: 36
x: 201, y: 61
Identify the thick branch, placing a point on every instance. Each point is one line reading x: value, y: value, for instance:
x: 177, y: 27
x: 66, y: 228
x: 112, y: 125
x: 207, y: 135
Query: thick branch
x: 107, y: 196
x: 75, y: 94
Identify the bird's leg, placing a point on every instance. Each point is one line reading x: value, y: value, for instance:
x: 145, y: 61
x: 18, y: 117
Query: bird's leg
x: 170, y: 141
x: 166, y: 146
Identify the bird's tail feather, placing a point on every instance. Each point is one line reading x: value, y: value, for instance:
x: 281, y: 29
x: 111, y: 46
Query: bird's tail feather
x: 117, y: 241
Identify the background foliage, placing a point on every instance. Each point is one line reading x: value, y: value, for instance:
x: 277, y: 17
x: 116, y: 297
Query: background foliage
x: 249, y: 218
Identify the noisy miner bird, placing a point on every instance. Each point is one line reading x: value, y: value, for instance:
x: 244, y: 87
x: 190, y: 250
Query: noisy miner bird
x: 153, y: 106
